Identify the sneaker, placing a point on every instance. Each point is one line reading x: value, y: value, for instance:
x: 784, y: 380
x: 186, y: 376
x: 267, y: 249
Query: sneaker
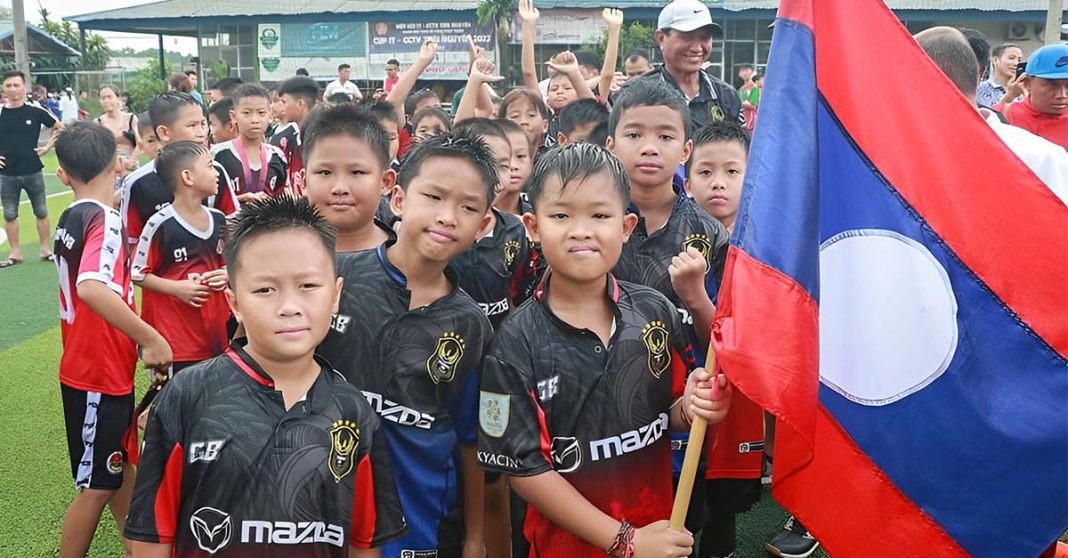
x: 794, y: 541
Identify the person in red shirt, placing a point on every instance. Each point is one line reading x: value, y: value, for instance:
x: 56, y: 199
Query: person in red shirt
x: 100, y: 330
x: 179, y: 261
x: 298, y: 96
x: 1045, y: 110
x: 392, y: 69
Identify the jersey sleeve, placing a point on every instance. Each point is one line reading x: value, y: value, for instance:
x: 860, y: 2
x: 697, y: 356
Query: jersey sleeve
x: 279, y: 173
x: 513, y: 438
x: 47, y: 119
x: 153, y: 515
x: 226, y: 199
x: 101, y: 255
x: 147, y: 259
x: 377, y: 517
x: 523, y: 275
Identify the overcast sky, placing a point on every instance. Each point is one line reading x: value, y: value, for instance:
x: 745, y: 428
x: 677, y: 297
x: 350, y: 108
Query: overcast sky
x: 62, y: 8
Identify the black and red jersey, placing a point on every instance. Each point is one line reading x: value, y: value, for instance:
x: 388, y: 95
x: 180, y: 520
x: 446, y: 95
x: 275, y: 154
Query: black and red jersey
x: 419, y: 370
x: 554, y: 398
x: 171, y: 248
x: 144, y: 193
x: 253, y: 180
x: 287, y: 139
x: 495, y: 270
x: 90, y: 246
x: 226, y: 470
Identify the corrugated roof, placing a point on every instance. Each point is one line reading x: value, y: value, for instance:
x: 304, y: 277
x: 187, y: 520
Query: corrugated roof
x: 54, y: 46
x: 222, y: 8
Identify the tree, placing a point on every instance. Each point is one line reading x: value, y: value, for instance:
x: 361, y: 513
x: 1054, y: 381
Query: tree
x: 500, y: 13
x: 145, y: 85
x: 631, y: 37
x: 96, y: 53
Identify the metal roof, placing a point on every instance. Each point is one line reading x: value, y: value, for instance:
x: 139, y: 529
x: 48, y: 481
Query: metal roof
x: 41, y: 43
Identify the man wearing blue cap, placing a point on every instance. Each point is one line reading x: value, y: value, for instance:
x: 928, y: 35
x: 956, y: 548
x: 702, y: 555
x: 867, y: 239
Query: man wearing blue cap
x: 684, y: 35
x: 1045, y: 110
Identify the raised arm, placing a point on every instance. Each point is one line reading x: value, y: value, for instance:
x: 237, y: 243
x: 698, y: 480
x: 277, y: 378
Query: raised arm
x: 404, y: 86
x: 614, y: 18
x: 529, y: 15
x: 482, y: 71
x: 565, y: 63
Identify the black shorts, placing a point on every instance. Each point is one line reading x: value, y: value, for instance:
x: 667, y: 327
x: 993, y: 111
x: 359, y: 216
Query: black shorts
x: 96, y: 427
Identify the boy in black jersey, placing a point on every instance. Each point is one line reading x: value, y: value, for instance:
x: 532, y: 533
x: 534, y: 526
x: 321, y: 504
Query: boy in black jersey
x: 297, y: 97
x: 579, y: 119
x: 221, y: 125
x: 346, y: 154
x: 179, y: 259
x: 581, y: 384
x: 412, y: 340
x: 266, y: 450
x: 257, y: 169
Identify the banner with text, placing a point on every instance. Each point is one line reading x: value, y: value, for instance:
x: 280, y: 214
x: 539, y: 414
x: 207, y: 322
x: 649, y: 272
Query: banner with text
x: 403, y: 40
x: 317, y: 47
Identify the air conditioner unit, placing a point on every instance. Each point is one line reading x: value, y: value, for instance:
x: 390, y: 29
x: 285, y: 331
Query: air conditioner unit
x: 1018, y: 31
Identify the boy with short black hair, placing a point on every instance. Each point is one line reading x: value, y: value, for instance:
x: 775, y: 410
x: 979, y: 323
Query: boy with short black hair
x: 346, y: 153
x: 386, y: 114
x: 176, y: 116
x: 257, y: 168
x: 221, y: 125
x: 147, y: 141
x: 266, y: 450
x: 412, y: 340
x: 715, y: 172
x: 298, y: 96
x: 578, y: 120
x: 590, y: 362
x: 100, y: 331
x: 179, y: 263
x: 511, y: 199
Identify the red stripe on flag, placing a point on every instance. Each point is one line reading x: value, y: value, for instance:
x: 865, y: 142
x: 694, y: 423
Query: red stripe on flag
x: 169, y: 496
x: 797, y: 10
x: 364, y: 518
x: 766, y: 338
x: 937, y: 152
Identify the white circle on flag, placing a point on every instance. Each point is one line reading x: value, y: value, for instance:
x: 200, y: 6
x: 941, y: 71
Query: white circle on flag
x: 888, y: 316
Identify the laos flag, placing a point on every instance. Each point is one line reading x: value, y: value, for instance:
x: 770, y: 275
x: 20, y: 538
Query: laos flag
x: 896, y: 293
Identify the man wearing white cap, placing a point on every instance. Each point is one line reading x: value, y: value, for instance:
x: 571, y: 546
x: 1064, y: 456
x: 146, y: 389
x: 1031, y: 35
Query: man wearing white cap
x: 684, y: 35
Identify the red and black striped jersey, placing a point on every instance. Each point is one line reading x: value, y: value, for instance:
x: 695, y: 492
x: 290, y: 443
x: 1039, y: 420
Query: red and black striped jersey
x: 226, y: 470
x: 494, y: 269
x: 287, y: 139
x: 228, y: 155
x: 171, y: 248
x: 555, y: 398
x: 144, y: 193
x: 90, y: 245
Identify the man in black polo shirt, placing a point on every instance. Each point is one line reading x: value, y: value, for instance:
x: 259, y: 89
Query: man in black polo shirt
x: 684, y: 35
x: 20, y: 163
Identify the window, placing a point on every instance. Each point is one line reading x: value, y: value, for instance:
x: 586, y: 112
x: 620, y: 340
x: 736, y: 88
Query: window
x: 233, y: 44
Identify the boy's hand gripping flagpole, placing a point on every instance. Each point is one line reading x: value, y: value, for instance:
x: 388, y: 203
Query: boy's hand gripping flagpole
x: 693, y: 454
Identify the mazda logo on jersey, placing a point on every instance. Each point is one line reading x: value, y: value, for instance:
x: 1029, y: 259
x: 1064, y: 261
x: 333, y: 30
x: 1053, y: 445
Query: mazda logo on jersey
x: 211, y: 528
x: 655, y: 337
x: 443, y: 363
x: 511, y: 250
x: 566, y: 454
x: 344, y: 439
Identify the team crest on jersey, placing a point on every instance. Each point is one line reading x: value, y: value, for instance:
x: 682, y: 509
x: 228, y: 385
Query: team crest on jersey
x: 702, y: 244
x: 655, y: 337
x: 115, y: 463
x: 716, y: 113
x: 443, y: 363
x: 344, y: 439
x: 494, y: 410
x: 511, y: 250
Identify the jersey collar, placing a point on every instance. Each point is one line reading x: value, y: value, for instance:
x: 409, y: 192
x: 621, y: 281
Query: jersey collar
x: 396, y: 274
x: 315, y: 399
x: 611, y: 290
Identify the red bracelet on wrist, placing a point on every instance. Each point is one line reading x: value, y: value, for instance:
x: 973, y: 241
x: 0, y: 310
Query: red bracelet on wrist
x: 624, y: 541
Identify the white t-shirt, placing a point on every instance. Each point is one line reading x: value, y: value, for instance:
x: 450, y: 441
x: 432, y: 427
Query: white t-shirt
x: 347, y: 88
x: 69, y: 107
x: 1046, y: 159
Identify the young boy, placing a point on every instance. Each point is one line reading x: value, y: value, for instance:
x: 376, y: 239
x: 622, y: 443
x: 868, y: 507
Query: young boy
x: 346, y: 153
x: 579, y: 119
x: 176, y: 116
x: 580, y: 386
x: 298, y: 96
x: 511, y: 199
x: 148, y: 143
x: 528, y: 110
x: 412, y: 340
x: 221, y: 126
x: 179, y: 262
x: 266, y: 450
x: 649, y: 130
x: 257, y: 168
x: 386, y: 114
x: 493, y: 271
x: 715, y: 172
x: 100, y: 330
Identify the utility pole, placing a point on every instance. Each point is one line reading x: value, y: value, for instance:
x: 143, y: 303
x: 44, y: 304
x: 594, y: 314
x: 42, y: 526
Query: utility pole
x: 22, y: 50
x: 1053, y: 21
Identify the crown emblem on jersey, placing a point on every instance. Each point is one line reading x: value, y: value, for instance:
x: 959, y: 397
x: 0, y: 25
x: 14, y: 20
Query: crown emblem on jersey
x: 344, y: 439
x: 443, y: 363
x: 700, y: 242
x: 655, y: 337
x: 511, y: 250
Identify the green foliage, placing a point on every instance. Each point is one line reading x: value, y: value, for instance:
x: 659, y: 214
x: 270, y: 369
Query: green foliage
x: 631, y: 37
x: 145, y: 85
x: 94, y: 56
x: 495, y: 10
x: 220, y: 69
